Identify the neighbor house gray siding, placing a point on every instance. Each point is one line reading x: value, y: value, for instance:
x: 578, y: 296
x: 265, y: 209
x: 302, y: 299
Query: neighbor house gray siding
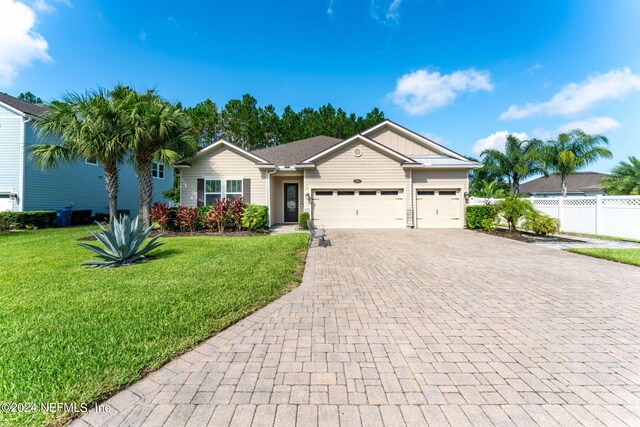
x: 10, y: 123
x: 80, y: 185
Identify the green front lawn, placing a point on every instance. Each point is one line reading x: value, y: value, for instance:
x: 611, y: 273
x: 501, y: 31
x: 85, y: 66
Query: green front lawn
x: 73, y: 334
x: 601, y: 237
x: 626, y: 256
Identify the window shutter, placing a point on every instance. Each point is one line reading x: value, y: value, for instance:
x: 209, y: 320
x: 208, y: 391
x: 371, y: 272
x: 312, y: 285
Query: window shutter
x: 200, y: 192
x: 246, y: 190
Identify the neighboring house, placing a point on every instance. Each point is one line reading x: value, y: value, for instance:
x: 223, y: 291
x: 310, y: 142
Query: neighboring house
x: 578, y: 184
x: 79, y: 186
x: 385, y: 177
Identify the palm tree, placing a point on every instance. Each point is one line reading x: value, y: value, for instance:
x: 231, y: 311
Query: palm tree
x: 624, y: 178
x: 488, y: 190
x: 571, y: 152
x: 88, y: 128
x: 520, y: 160
x: 156, y: 130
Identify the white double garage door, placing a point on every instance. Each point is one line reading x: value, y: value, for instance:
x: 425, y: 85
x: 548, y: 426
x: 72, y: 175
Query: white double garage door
x: 385, y: 208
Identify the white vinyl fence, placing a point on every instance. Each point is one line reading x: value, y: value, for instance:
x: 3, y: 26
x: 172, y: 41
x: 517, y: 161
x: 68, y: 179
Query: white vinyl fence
x: 617, y: 216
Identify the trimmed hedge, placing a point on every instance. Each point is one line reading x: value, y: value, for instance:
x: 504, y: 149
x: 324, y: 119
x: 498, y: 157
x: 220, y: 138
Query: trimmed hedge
x: 480, y: 215
x: 303, y: 217
x: 20, y: 220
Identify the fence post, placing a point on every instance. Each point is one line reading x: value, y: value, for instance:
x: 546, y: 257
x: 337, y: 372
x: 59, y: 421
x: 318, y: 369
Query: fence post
x: 560, y: 209
x: 598, y: 213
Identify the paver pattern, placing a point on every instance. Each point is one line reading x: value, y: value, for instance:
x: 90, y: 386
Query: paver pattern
x: 415, y: 327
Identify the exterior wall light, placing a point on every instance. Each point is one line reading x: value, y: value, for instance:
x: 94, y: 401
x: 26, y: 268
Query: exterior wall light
x: 466, y: 197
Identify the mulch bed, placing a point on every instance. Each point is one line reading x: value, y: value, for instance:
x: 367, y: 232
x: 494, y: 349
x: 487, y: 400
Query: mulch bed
x: 199, y: 233
x: 523, y: 236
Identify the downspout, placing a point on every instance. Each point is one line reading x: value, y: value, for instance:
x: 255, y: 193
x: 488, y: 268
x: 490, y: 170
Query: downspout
x: 413, y: 213
x: 269, y: 173
x: 22, y: 162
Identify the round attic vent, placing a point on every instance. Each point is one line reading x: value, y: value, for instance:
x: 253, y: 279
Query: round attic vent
x: 357, y: 152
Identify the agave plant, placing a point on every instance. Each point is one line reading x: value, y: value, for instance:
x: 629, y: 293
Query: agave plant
x: 122, y: 242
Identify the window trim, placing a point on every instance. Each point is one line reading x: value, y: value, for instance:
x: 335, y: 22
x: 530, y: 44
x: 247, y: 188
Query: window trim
x: 90, y: 163
x: 223, y: 186
x: 235, y: 193
x: 156, y: 166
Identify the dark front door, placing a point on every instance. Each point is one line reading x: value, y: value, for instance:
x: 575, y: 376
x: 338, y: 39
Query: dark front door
x: 290, y: 202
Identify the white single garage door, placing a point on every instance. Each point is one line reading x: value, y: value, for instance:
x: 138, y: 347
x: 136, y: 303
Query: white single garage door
x: 437, y: 208
x: 359, y: 208
x: 5, y: 203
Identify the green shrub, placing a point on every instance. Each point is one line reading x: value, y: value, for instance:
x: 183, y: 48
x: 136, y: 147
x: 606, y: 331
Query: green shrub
x: 480, y: 216
x: 255, y: 217
x: 303, y: 217
x: 19, y: 220
x: 540, y: 223
x: 513, y: 208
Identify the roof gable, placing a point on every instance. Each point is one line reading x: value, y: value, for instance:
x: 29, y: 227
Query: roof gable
x: 430, y: 147
x: 360, y: 138
x: 222, y: 143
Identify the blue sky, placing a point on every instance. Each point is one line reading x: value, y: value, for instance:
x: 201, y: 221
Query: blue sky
x: 464, y: 73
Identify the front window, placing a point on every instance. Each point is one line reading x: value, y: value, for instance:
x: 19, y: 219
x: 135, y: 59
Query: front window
x: 234, y: 189
x: 212, y: 191
x: 157, y: 170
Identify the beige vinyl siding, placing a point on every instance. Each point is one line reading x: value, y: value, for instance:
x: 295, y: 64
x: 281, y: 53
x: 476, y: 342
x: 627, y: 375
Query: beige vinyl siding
x: 219, y: 163
x: 400, y: 143
x: 375, y: 169
x: 444, y: 180
x: 277, y: 204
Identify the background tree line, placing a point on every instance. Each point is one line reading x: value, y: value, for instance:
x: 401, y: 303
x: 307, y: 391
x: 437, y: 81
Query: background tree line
x: 244, y: 123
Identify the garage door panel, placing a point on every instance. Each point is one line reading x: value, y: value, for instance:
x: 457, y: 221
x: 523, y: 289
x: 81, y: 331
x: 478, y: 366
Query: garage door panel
x: 438, y: 208
x: 359, y: 208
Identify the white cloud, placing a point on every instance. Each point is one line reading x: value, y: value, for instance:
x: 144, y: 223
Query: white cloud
x: 390, y: 15
x: 495, y: 141
x: 423, y: 91
x: 46, y: 6
x: 592, y: 125
x: 576, y: 98
x: 330, y: 7
x: 20, y: 44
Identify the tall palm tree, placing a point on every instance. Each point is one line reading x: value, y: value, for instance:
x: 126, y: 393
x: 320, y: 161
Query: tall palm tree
x: 520, y: 160
x: 624, y: 178
x: 155, y: 130
x: 571, y: 152
x: 88, y: 127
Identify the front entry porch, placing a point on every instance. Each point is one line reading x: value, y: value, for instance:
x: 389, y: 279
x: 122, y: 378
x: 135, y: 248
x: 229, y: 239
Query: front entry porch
x: 287, y: 198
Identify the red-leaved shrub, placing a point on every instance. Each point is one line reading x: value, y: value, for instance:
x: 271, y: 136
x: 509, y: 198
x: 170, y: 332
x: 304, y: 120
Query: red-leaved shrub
x: 236, y: 208
x: 161, y: 214
x: 218, y: 214
x: 187, y: 218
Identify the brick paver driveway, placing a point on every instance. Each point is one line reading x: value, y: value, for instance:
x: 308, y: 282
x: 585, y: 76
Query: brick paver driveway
x: 416, y: 327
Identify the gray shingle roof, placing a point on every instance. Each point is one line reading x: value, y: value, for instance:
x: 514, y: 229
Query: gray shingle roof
x: 576, y: 183
x: 20, y: 105
x: 296, y: 151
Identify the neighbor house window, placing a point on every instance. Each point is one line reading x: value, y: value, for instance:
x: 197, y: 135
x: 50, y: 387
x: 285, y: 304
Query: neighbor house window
x: 234, y: 189
x: 92, y: 162
x: 212, y: 191
x: 157, y: 170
